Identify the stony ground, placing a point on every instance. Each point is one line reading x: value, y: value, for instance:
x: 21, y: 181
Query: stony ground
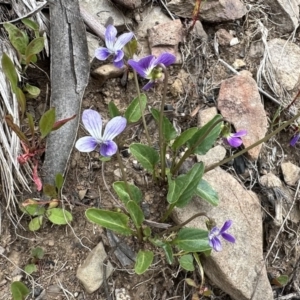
x: 194, y: 86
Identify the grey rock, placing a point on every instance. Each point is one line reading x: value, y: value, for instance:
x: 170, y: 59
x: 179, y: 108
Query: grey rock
x: 284, y: 14
x: 285, y: 59
x: 239, y: 269
x: 102, y: 10
x: 93, y: 44
x: 224, y: 37
x: 199, y: 31
x: 129, y: 4
x: 240, y: 104
x: 213, y: 156
x: 90, y: 273
x: 206, y: 115
x: 291, y: 173
x: 211, y: 11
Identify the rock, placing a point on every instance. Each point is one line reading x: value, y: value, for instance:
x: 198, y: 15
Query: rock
x: 257, y: 49
x: 165, y: 37
x: 285, y: 60
x: 291, y: 173
x: 284, y: 14
x: 240, y: 104
x: 228, y: 269
x: 106, y: 72
x: 177, y: 88
x: 93, y: 44
x: 129, y: 4
x: 206, y: 115
x: 102, y: 10
x: 224, y: 37
x: 151, y: 17
x: 122, y: 294
x: 238, y: 64
x: 280, y: 197
x: 199, y: 31
x: 90, y: 273
x: 211, y: 11
x: 213, y: 156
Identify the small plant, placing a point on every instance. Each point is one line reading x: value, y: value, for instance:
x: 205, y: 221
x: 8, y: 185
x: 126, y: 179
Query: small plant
x: 41, y: 210
x: 19, y: 290
x: 37, y: 255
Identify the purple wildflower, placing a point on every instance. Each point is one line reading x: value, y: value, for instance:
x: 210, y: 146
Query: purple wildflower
x: 295, y: 139
x: 233, y: 139
x: 93, y: 124
x: 148, y: 67
x: 214, y: 234
x: 114, y: 46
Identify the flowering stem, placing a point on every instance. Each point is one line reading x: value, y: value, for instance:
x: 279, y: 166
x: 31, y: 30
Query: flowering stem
x: 190, y: 151
x: 160, y: 125
x: 177, y: 227
x: 267, y: 137
x: 167, y: 213
x: 141, y: 108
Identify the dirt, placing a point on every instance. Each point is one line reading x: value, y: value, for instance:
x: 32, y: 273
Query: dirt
x: 66, y: 247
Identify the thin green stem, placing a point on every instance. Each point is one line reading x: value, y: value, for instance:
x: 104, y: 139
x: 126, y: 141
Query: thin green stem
x: 190, y: 151
x: 267, y: 137
x: 179, y: 226
x: 167, y: 213
x: 162, y: 146
x: 141, y: 107
x: 121, y: 166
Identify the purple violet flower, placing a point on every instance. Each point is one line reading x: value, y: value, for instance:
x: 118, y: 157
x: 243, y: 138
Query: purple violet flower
x: 93, y: 124
x: 148, y: 67
x: 214, y: 234
x: 234, y: 140
x: 114, y: 46
x: 295, y: 139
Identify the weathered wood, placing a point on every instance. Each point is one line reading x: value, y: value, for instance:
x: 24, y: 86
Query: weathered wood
x: 69, y: 78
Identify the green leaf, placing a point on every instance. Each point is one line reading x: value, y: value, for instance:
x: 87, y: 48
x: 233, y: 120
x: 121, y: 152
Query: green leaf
x: 130, y: 48
x: 30, y: 123
x: 209, y: 139
x: 59, y: 181
x: 19, y: 290
x: 59, y: 216
x: 46, y: 122
x: 18, y: 38
x: 10, y: 72
x: 30, y: 24
x: 29, y: 269
x: 32, y: 91
x: 143, y: 261
x: 35, y: 223
x: 115, y: 221
x: 113, y: 110
x: 184, y: 137
x: 169, y: 131
x: 49, y: 190
x: 281, y: 281
x: 21, y: 99
x: 37, y: 252
x: 187, y: 262
x: 166, y: 247
x: 133, y: 112
x: 33, y: 209
x: 182, y: 189
x: 192, y: 240
x: 16, y: 129
x: 145, y: 155
x: 34, y: 47
x: 135, y: 192
x: 207, y: 193
x: 136, y: 213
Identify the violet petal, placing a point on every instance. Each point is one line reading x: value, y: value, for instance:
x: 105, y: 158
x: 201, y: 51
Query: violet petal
x: 110, y: 37
x: 93, y: 123
x: 102, y: 53
x: 142, y: 66
x: 165, y: 59
x: 228, y: 237
x: 86, y: 144
x: 294, y: 139
x: 114, y: 127
x: 234, y: 141
x: 215, y: 243
x: 148, y: 86
x: 119, y: 64
x: 226, y: 226
x: 239, y: 133
x: 108, y: 148
x: 122, y: 40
